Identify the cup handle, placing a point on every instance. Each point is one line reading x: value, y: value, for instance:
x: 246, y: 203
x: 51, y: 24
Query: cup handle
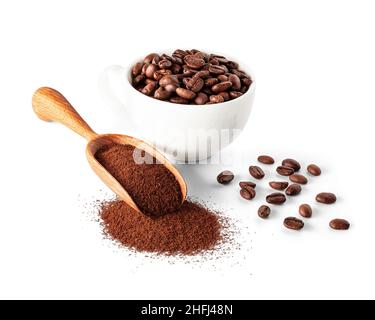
x: 113, y: 91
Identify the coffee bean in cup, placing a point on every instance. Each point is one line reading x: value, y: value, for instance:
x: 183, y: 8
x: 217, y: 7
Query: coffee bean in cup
x: 190, y: 77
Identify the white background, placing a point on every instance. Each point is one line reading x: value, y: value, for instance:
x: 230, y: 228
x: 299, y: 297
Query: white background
x: 315, y: 68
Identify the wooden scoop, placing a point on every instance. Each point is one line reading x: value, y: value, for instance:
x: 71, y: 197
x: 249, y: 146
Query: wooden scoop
x: 51, y: 105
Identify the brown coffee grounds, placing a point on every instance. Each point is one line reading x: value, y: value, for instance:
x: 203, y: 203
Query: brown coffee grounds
x: 188, y: 231
x: 152, y: 186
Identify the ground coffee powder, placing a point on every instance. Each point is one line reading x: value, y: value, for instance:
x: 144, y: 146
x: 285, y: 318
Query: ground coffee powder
x: 152, y: 186
x: 190, y: 230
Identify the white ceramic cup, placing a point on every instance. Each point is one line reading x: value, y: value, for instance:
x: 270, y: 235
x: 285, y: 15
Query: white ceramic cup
x: 187, y: 133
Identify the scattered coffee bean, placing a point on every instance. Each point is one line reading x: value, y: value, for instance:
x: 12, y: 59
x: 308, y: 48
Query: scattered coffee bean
x: 291, y: 163
x: 284, y: 171
x: 225, y: 177
x: 326, y: 197
x: 298, y: 178
x: 305, y: 210
x: 192, y: 70
x: 276, y: 198
x: 293, y: 223
x: 264, y: 211
x: 266, y: 159
x: 247, y: 184
x: 256, y: 172
x: 339, y: 224
x: 293, y: 189
x: 314, y: 170
x: 247, y: 192
x: 279, y: 185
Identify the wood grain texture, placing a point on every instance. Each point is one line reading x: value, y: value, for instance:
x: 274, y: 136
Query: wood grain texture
x: 51, y: 105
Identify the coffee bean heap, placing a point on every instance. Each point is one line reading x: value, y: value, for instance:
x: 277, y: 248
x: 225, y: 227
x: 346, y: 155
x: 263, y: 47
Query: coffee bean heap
x: 190, y: 77
x: 289, y: 168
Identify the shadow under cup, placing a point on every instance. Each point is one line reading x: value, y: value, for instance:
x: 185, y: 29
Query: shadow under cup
x: 184, y: 133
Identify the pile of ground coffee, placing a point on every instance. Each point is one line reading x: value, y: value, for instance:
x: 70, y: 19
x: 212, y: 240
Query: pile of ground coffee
x: 188, y: 231
x: 152, y: 186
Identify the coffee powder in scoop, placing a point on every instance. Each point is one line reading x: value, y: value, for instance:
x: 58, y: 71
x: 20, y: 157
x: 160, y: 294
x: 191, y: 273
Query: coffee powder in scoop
x: 153, y: 188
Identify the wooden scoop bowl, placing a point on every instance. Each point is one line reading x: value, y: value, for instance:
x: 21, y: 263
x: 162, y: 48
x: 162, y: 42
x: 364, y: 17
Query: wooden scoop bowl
x: 51, y: 105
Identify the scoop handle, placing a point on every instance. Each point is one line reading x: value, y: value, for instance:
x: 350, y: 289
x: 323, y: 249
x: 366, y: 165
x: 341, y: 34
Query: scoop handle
x: 51, y: 105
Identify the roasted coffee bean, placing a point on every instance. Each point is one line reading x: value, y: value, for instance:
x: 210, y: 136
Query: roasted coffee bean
x: 166, y: 57
x: 279, y: 185
x: 214, y: 62
x: 148, y: 59
x: 232, y: 65
x: 293, y: 189
x: 221, y: 86
x: 326, y: 197
x: 284, y: 171
x: 178, y: 100
x: 225, y: 177
x: 138, y: 79
x: 162, y: 94
x: 171, y: 87
x: 151, y: 68
x: 188, y: 72
x: 264, y: 211
x: 161, y: 73
x: 147, y: 81
x: 202, y: 74
x: 298, y: 178
x: 201, y: 98
x: 244, y: 89
x: 247, y: 193
x: 235, y: 94
x: 305, y: 210
x: 185, y: 93
x: 207, y: 91
x: 216, y: 99
x: 339, y: 224
x: 241, y: 74
x: 266, y: 159
x: 194, y: 62
x: 236, y: 82
x: 149, y: 88
x: 180, y: 53
x: 276, y: 198
x: 186, y: 80
x: 216, y: 70
x: 178, y: 60
x: 293, y: 223
x: 314, y: 170
x: 250, y: 184
x: 169, y: 79
x: 211, y: 81
x: 195, y: 84
x: 256, y: 172
x: 165, y: 64
x: 225, y: 95
x: 247, y: 81
x: 176, y: 68
x: 222, y: 78
x: 291, y: 163
x: 137, y: 69
x: 155, y: 60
